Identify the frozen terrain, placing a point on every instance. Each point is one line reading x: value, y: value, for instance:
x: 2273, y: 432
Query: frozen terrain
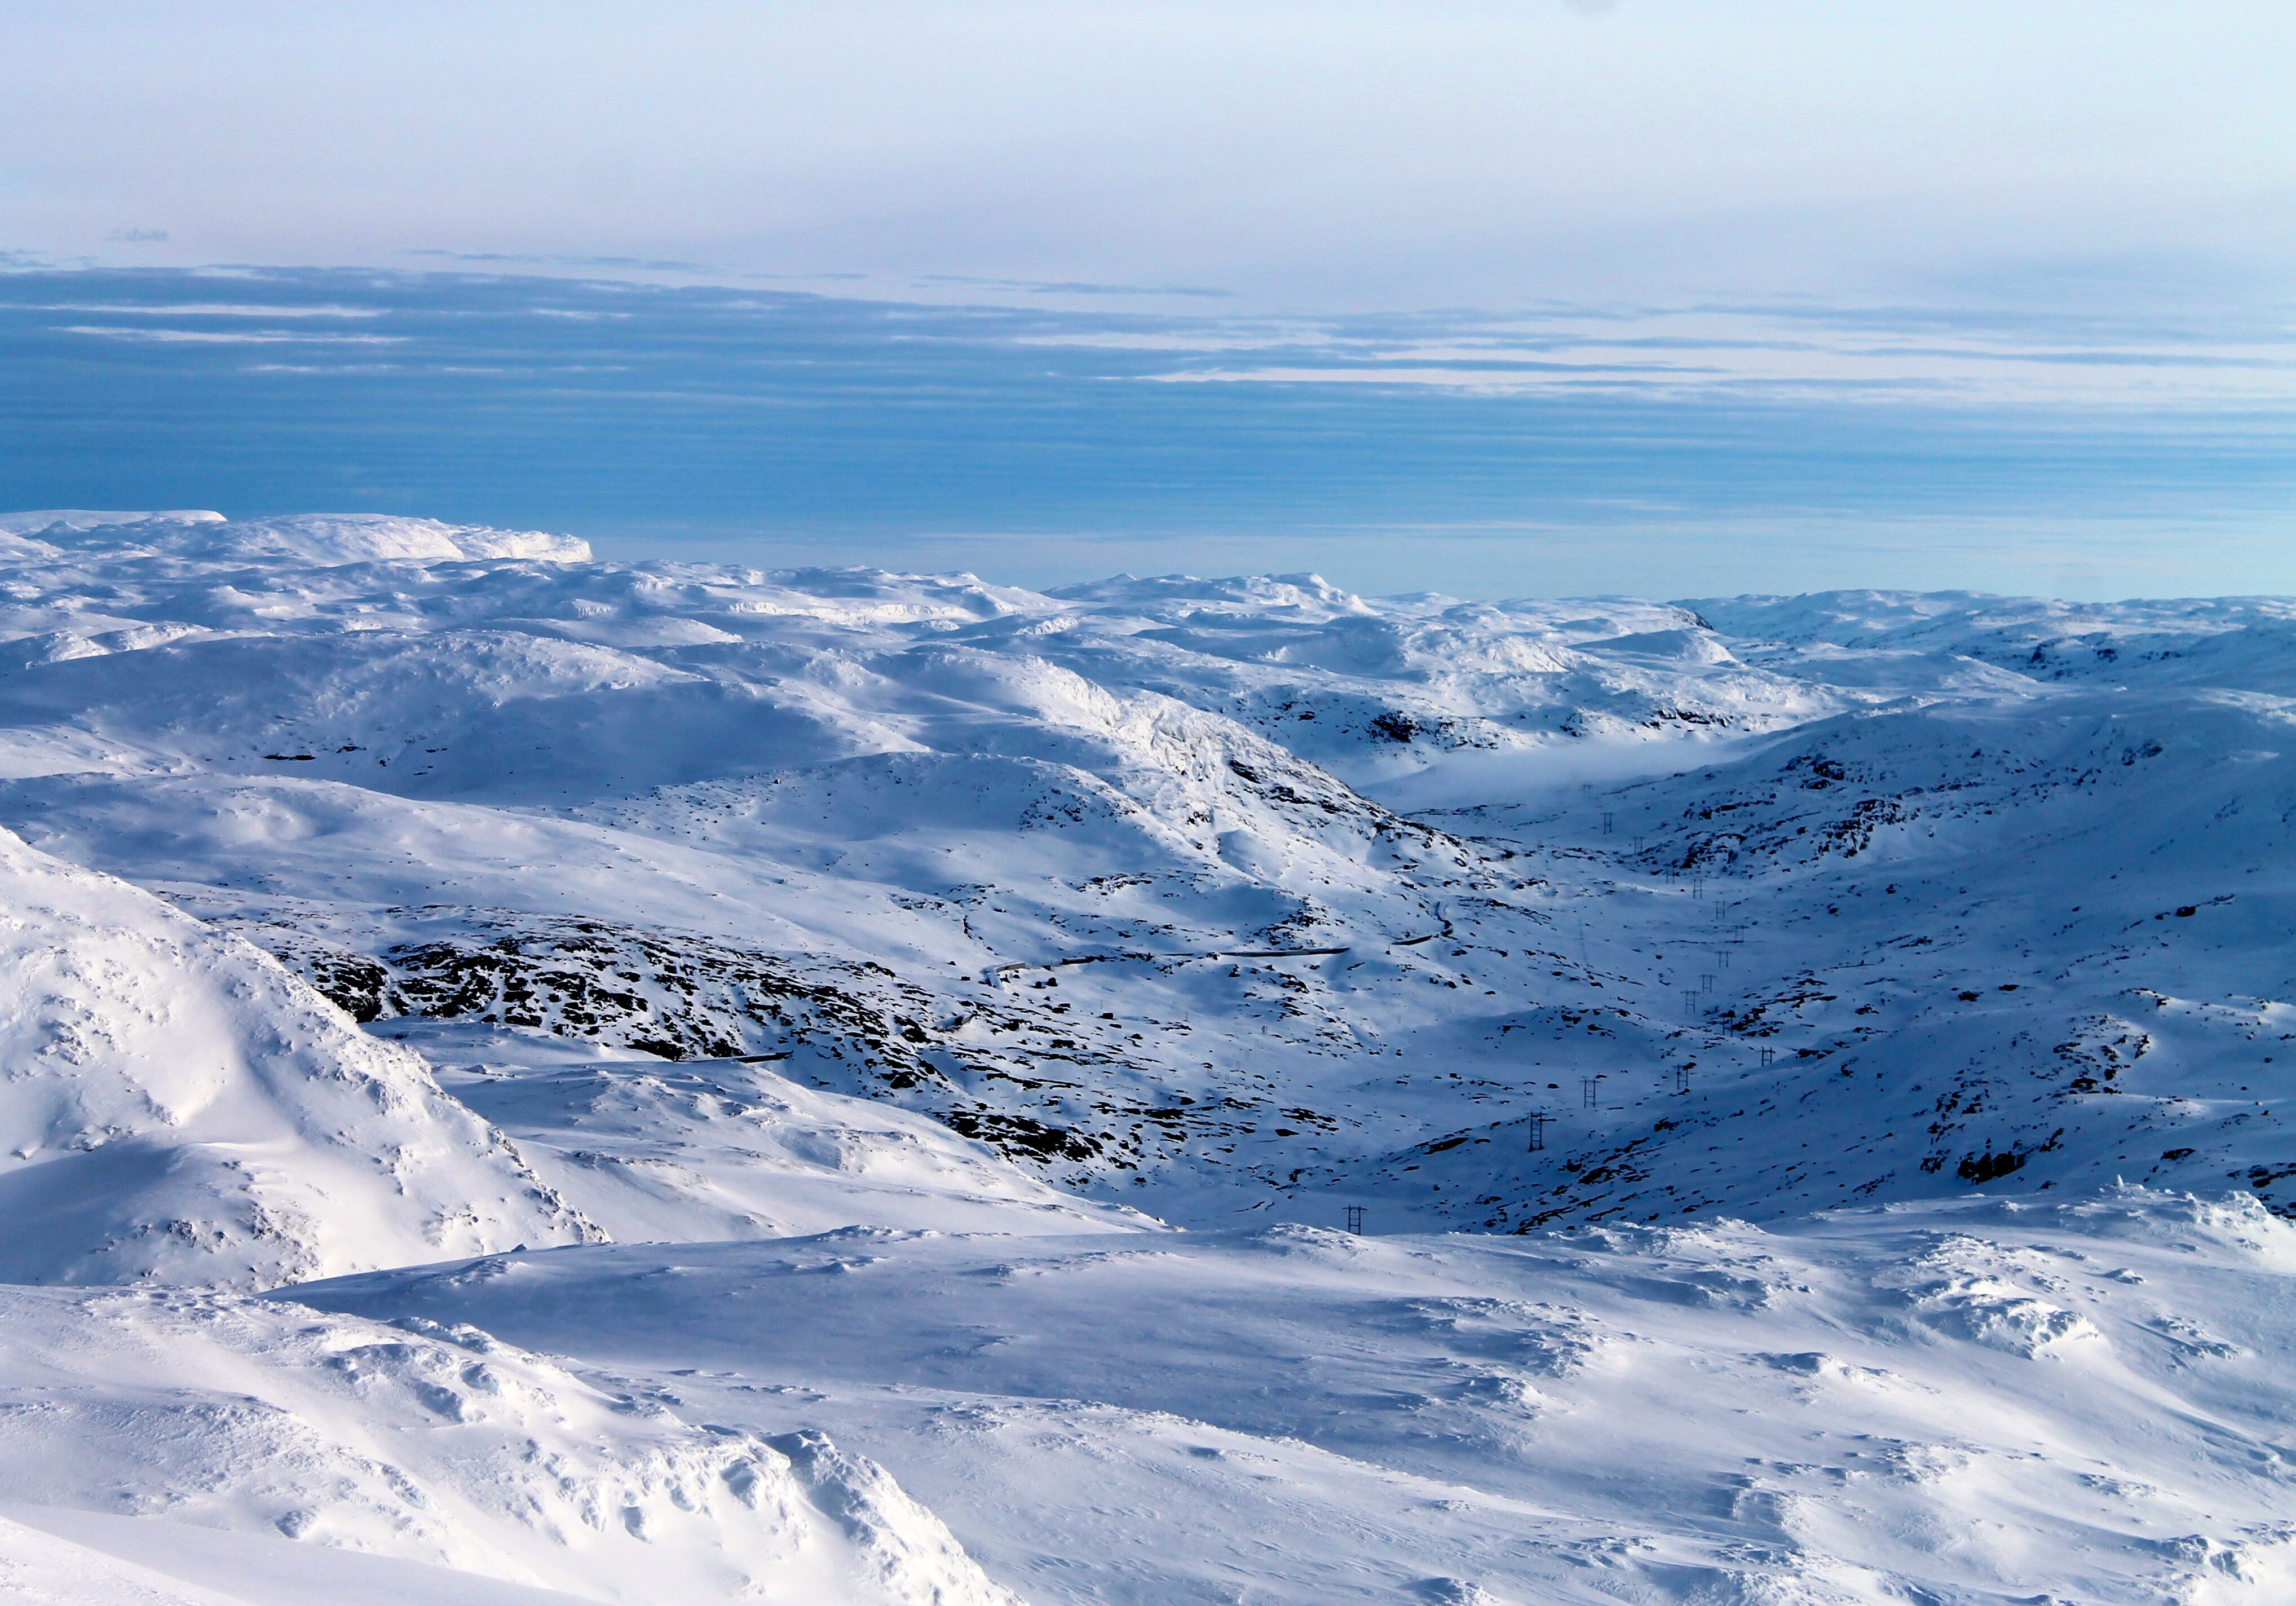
x: 828, y: 1085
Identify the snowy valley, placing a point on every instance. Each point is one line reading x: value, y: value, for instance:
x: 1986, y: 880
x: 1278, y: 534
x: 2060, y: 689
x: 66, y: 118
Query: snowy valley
x: 526, y: 1079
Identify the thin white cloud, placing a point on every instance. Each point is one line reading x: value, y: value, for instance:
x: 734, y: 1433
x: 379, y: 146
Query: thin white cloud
x: 207, y: 309
x: 247, y: 337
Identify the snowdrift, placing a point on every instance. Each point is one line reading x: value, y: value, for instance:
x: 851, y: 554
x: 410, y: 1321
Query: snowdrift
x: 1971, y: 1401
x: 177, y: 1106
x: 226, y: 1425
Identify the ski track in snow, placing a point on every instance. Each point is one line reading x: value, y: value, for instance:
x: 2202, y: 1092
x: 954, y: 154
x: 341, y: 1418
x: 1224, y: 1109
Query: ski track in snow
x: 828, y: 1085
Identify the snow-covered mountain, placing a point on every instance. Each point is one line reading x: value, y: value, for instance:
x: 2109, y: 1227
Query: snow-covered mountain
x: 384, y: 892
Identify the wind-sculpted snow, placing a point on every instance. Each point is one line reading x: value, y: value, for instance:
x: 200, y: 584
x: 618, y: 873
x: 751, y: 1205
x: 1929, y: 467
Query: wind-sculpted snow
x: 704, y: 904
x: 1958, y: 1402
x: 433, y: 1443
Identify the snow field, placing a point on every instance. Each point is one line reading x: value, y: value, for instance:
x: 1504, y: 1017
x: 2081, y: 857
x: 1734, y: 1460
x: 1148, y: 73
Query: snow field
x: 1928, y: 1402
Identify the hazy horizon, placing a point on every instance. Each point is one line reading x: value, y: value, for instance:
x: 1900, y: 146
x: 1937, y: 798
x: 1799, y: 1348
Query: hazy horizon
x: 1537, y: 298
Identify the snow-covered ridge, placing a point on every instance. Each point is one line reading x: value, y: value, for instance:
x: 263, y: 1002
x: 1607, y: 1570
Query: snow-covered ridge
x: 324, y: 539
x: 65, y: 523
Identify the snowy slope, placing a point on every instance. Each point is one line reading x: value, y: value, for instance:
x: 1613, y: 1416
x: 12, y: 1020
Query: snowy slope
x: 876, y: 936
x: 854, y: 817
x: 235, y: 1422
x: 177, y: 1106
x: 1947, y: 1403
x: 706, y: 1149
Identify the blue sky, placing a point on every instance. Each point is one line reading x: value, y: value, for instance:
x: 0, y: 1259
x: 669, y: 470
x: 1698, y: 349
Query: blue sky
x: 1540, y: 297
